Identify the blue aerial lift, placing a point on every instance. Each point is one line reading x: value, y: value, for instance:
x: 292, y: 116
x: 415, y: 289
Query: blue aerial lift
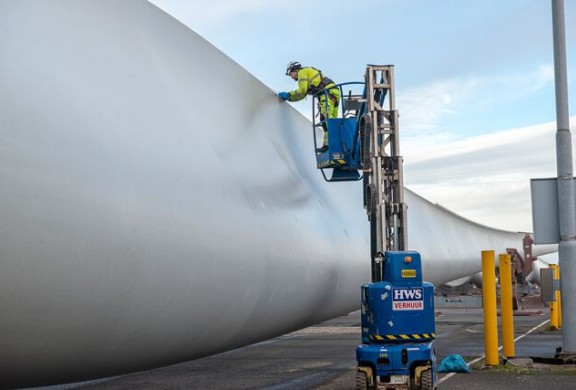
x: 398, y: 325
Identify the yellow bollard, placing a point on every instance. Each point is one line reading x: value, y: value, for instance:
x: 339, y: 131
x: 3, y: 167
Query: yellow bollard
x: 558, y: 297
x: 554, y: 325
x: 489, y: 303
x: 506, y: 306
x: 556, y: 307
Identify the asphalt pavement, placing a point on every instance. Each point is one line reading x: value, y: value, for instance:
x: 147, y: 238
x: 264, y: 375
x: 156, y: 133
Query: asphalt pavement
x: 323, y: 357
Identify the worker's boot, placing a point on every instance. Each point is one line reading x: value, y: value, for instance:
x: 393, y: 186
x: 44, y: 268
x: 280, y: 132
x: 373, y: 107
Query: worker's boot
x: 322, y: 149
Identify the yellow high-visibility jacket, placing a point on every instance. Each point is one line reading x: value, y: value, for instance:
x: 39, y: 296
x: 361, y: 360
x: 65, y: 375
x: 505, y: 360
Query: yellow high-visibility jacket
x: 310, y: 81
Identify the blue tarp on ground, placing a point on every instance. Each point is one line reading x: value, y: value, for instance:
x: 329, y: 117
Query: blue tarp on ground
x: 454, y: 363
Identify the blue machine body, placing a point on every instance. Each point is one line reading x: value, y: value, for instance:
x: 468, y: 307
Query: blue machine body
x: 404, y: 300
x: 397, y: 359
x: 343, y: 147
x: 398, y: 325
x: 343, y: 154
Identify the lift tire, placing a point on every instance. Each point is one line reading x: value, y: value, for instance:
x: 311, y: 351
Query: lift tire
x: 426, y: 380
x: 365, y: 140
x: 361, y: 380
x: 371, y: 200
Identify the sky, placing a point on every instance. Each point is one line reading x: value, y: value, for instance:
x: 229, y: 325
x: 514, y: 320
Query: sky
x: 474, y: 82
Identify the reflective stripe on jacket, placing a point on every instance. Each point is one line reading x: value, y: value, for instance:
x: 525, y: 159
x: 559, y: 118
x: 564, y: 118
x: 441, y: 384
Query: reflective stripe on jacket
x: 308, y: 81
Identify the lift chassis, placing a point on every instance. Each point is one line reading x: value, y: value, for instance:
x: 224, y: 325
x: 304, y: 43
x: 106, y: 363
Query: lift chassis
x: 398, y: 327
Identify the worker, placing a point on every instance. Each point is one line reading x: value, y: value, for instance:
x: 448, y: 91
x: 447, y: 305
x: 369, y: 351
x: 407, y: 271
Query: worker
x: 311, y: 81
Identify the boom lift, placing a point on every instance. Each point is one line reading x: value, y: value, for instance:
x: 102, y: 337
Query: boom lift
x: 398, y: 327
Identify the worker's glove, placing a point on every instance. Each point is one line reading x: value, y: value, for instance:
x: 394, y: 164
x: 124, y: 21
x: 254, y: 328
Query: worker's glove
x: 283, y: 95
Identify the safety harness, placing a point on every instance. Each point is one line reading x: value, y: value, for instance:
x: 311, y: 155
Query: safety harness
x: 324, y: 82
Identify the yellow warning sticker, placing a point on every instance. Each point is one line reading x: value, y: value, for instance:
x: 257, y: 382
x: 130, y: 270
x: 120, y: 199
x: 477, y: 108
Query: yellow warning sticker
x: 408, y: 273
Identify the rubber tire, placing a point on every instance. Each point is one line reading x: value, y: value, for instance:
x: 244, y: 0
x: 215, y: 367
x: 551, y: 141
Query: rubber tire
x: 365, y: 140
x: 426, y: 380
x: 361, y: 380
x: 371, y: 201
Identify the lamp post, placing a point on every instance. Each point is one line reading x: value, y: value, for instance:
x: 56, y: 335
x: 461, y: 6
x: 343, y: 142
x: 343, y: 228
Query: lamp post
x: 566, y: 204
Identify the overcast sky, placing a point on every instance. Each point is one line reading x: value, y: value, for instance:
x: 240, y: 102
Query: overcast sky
x: 474, y: 82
